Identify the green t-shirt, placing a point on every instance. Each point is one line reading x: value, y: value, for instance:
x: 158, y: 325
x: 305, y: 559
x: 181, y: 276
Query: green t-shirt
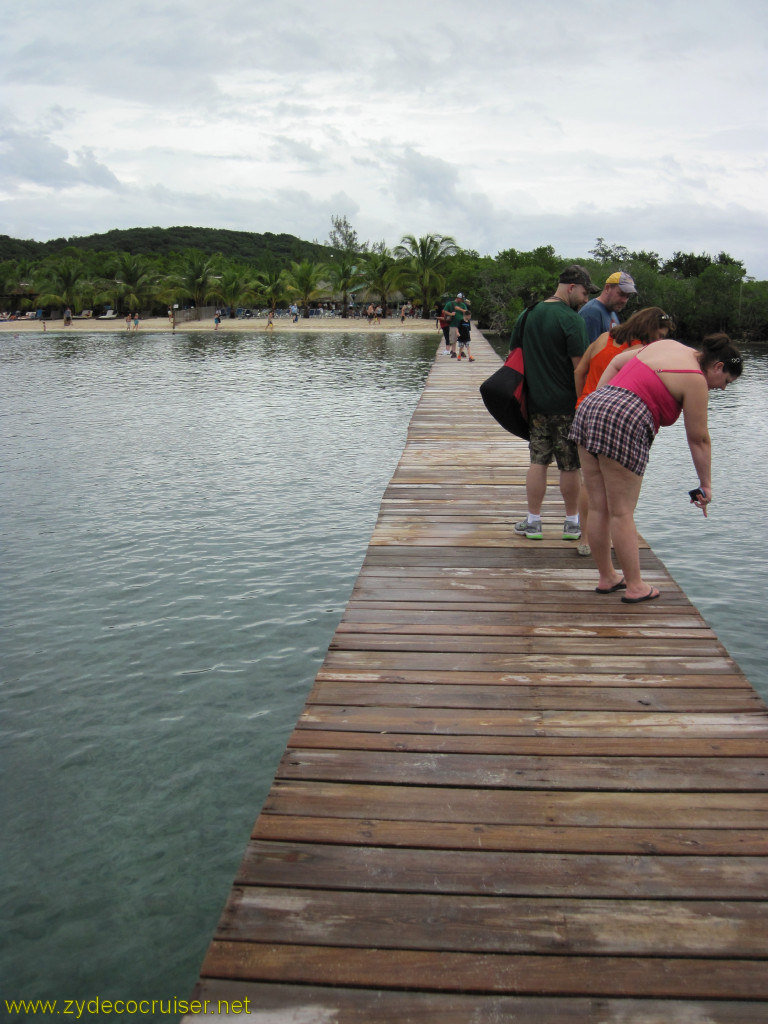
x: 455, y: 309
x: 553, y: 334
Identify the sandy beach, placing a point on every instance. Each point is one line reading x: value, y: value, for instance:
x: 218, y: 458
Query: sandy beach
x: 314, y: 325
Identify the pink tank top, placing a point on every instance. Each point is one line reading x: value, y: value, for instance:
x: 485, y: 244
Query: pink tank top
x: 637, y: 377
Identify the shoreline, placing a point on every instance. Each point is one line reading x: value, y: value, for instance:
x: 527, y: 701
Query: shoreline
x: 160, y: 324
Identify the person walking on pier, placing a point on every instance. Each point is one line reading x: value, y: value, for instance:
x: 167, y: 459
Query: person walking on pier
x: 614, y: 428
x: 455, y: 310
x: 444, y: 323
x: 465, y: 336
x: 554, y: 339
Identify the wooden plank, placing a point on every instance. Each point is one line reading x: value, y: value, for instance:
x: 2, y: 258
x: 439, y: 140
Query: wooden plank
x: 609, y: 698
x: 467, y: 972
x: 429, y: 804
x: 698, y: 842
x: 512, y: 873
x: 309, y: 1004
x: 496, y: 771
x: 625, y: 927
x: 533, y: 723
x: 507, y: 798
x: 566, y: 746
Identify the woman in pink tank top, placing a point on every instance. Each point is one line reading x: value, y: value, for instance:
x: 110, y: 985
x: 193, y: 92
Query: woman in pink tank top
x: 643, y: 327
x: 614, y: 428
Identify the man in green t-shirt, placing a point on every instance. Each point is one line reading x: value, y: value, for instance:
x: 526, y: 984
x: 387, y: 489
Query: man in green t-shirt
x: 454, y: 311
x: 554, y: 338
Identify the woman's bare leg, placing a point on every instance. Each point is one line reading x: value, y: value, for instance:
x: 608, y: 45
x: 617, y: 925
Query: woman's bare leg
x: 622, y: 489
x: 598, y: 523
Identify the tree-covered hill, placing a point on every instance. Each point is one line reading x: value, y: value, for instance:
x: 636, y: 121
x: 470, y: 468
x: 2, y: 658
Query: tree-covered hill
x: 260, y: 249
x: 148, y: 269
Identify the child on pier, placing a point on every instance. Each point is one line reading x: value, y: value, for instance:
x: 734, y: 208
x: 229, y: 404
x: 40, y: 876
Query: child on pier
x: 465, y: 328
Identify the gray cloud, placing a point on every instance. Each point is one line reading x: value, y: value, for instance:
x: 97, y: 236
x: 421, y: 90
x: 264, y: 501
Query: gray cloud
x: 507, y: 125
x: 34, y: 159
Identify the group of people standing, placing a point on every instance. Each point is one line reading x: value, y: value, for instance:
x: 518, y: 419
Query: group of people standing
x: 455, y: 321
x: 598, y: 392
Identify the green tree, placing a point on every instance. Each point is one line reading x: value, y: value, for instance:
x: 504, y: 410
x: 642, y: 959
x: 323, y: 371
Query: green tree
x: 135, y: 282
x: 604, y: 252
x: 379, y: 275
x: 270, y: 286
x: 753, y: 309
x: 543, y: 256
x: 423, y: 265
x: 197, y: 279
x: 717, y: 299
x: 235, y: 287
x: 686, y: 264
x: 62, y: 283
x: 18, y: 283
x: 344, y: 237
x: 305, y: 281
x: 343, y: 276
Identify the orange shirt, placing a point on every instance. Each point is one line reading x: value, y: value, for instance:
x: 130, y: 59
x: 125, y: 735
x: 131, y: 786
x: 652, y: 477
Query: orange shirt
x: 598, y: 363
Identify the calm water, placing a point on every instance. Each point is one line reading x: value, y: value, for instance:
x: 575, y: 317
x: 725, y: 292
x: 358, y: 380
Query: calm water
x: 183, y: 519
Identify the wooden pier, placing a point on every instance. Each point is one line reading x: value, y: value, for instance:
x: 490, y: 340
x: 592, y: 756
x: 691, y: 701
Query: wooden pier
x: 508, y: 799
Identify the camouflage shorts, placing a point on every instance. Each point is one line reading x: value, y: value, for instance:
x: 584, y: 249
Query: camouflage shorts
x: 549, y: 437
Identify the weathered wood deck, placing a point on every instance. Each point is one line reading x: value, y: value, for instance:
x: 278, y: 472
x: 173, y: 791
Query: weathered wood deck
x: 508, y: 799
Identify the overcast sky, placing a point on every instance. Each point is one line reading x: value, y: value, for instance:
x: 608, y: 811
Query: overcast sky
x: 505, y: 123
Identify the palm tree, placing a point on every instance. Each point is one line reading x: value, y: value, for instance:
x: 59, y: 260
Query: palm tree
x: 423, y: 264
x: 17, y: 283
x: 379, y: 273
x: 270, y: 286
x: 235, y: 288
x: 61, y: 283
x: 305, y: 280
x: 135, y: 281
x: 197, y: 279
x: 344, y: 275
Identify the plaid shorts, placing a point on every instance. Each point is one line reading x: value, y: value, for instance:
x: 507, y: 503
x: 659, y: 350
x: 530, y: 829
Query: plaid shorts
x: 549, y: 437
x: 616, y: 423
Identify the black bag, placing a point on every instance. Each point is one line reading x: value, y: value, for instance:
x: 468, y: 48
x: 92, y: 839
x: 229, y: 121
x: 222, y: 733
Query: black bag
x: 504, y: 391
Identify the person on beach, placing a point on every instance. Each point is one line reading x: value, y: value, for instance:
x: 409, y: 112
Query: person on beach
x: 465, y: 329
x: 216, y: 321
x: 67, y: 317
x: 643, y: 327
x: 271, y: 320
x: 614, y: 428
x: 370, y: 313
x: 135, y: 321
x: 599, y: 313
x: 553, y: 339
x: 294, y: 311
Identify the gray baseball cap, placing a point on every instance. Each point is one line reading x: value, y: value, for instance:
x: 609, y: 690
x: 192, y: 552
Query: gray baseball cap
x: 624, y: 281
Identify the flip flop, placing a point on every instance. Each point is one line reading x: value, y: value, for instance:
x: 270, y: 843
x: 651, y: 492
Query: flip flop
x: 650, y: 596
x: 621, y: 585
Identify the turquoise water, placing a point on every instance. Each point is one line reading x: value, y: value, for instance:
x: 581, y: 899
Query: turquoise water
x: 183, y: 519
